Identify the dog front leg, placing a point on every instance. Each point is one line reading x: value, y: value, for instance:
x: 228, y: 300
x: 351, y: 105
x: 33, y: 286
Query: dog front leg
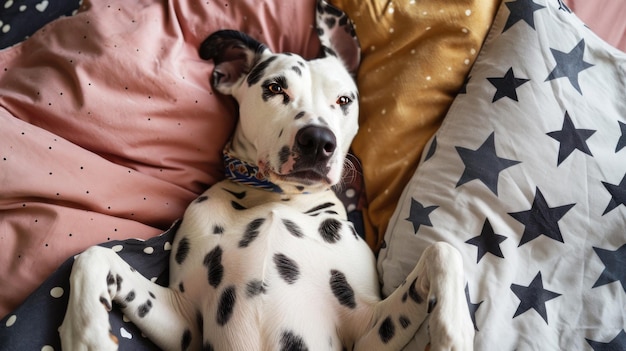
x: 435, y: 287
x: 99, y: 277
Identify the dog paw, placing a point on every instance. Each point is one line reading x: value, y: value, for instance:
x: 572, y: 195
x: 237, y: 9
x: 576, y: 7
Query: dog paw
x: 87, y: 328
x: 86, y: 323
x: 450, y: 326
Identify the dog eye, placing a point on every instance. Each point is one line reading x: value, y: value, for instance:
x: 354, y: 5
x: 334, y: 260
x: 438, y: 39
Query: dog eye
x: 275, y: 88
x: 343, y: 100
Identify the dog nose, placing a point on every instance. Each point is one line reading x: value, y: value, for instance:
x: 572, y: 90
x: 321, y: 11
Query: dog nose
x: 316, y: 142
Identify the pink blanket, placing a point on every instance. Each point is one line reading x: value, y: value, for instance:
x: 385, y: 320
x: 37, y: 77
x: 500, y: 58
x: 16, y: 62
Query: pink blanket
x: 109, y: 127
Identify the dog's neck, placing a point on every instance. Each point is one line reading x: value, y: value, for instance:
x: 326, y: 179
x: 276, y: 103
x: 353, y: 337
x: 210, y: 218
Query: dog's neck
x: 241, y: 171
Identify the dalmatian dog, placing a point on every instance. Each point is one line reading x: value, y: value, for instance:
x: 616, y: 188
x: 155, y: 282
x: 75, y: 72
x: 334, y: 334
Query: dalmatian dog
x: 266, y: 259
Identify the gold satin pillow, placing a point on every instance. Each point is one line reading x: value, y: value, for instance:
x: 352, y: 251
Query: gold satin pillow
x: 415, y: 57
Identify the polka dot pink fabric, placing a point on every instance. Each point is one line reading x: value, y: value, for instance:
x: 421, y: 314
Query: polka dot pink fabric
x: 109, y: 127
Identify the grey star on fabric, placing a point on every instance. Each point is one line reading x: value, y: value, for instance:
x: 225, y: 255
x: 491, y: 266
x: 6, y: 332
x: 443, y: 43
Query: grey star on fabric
x: 622, y: 139
x: 431, y: 149
x: 419, y: 215
x: 507, y: 85
x: 483, y: 164
x: 571, y: 139
x: 541, y: 219
x: 570, y: 64
x: 618, y: 195
x: 473, y: 307
x: 563, y: 7
x: 487, y: 242
x: 618, y: 343
x: 614, y: 266
x: 521, y: 10
x: 533, y: 296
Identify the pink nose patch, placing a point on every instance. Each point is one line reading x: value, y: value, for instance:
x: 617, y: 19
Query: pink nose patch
x: 287, y: 166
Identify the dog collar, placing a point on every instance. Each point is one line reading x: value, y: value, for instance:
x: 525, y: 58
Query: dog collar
x: 245, y: 173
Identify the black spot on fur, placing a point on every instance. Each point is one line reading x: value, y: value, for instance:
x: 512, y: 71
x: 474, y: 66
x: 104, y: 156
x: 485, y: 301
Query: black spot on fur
x: 201, y: 199
x: 226, y: 305
x: 181, y: 287
x: 431, y: 304
x: 255, y: 288
x: 186, y: 340
x: 218, y: 229
x: 258, y: 71
x: 387, y: 330
x: 331, y: 10
x: 106, y: 303
x: 237, y: 206
x: 297, y: 70
x: 119, y: 281
x: 413, y: 294
x: 356, y: 235
x: 299, y: 187
x: 330, y: 22
x: 143, y: 309
x: 252, y: 231
x: 213, y: 261
x: 301, y: 63
x: 293, y: 228
x: 238, y: 196
x: 182, y: 251
x: 110, y: 279
x: 207, y: 346
x: 283, y: 154
x: 200, y: 321
x: 343, y: 20
x: 329, y: 230
x: 299, y: 115
x: 287, y: 268
x: 328, y: 51
x: 405, y: 322
x: 131, y: 296
x: 341, y: 289
x: 320, y: 207
x: 151, y: 295
x: 292, y: 342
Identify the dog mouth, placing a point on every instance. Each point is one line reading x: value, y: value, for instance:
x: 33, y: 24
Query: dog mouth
x: 305, y: 177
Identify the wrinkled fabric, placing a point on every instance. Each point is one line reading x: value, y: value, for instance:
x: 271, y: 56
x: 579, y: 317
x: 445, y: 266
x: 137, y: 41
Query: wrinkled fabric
x: 109, y: 126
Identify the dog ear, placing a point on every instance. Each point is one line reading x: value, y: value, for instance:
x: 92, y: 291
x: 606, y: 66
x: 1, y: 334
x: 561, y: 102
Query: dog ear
x: 234, y: 54
x: 337, y: 36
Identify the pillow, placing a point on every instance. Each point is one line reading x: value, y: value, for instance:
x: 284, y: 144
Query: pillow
x: 415, y: 57
x: 110, y: 127
x: 526, y: 177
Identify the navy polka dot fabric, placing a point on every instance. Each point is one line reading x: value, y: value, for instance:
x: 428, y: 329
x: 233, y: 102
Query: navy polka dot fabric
x: 20, y: 19
x: 33, y: 326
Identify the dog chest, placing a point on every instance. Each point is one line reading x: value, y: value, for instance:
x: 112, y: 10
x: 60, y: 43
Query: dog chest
x: 243, y: 260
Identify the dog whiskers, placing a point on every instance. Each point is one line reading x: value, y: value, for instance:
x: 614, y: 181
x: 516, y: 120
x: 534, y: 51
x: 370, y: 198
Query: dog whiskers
x: 349, y: 174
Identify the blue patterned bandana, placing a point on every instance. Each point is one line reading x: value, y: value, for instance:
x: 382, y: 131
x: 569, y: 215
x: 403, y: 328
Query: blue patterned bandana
x: 245, y: 173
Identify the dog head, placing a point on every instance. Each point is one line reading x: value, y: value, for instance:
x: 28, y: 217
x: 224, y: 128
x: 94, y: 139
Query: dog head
x: 297, y: 117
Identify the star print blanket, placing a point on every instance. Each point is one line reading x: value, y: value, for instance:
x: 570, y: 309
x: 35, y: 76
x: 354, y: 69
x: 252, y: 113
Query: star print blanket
x: 527, y: 178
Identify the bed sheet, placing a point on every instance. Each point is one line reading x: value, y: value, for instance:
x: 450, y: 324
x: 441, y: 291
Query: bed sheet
x: 109, y: 125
